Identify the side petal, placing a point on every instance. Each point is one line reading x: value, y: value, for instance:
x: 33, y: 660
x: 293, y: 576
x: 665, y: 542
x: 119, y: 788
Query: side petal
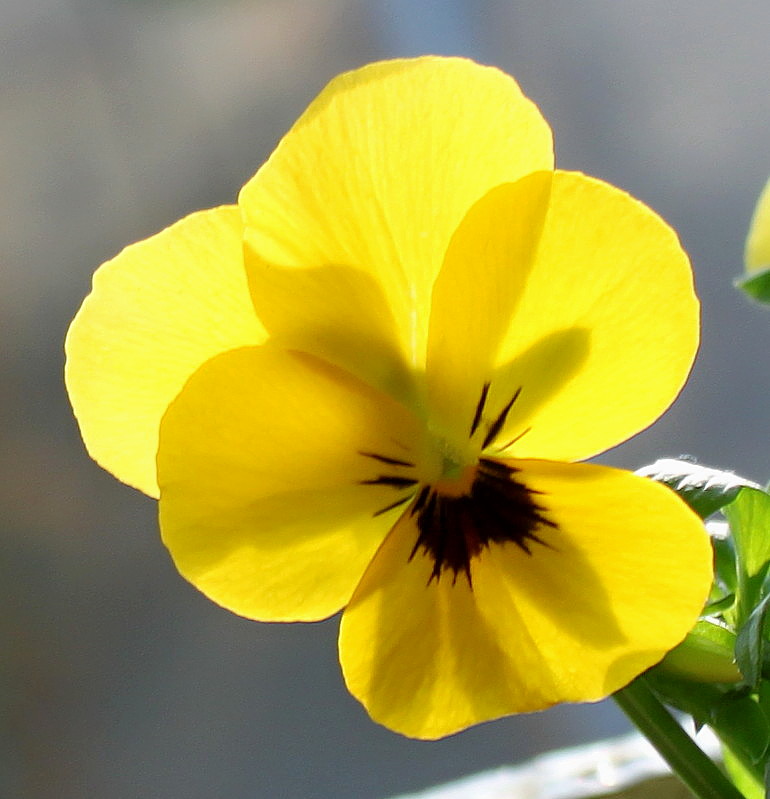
x: 275, y: 471
x: 379, y: 171
x: 618, y: 583
x: 157, y: 311
x: 605, y: 332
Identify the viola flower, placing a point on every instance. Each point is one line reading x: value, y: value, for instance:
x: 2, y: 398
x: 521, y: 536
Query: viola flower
x: 757, y: 249
x: 366, y: 387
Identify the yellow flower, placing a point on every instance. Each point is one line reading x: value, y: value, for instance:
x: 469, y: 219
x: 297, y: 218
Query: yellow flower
x: 757, y: 249
x: 367, y: 384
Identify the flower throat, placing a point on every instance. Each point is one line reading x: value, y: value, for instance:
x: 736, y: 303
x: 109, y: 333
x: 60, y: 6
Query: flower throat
x: 469, y: 507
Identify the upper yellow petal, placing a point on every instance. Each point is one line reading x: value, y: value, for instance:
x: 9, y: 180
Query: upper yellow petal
x: 377, y: 174
x: 269, y: 467
x: 319, y: 310
x: 606, y: 328
x: 156, y: 312
x: 619, y: 582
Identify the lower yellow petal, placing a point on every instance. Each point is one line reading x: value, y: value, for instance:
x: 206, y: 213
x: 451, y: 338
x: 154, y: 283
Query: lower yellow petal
x: 156, y: 312
x: 270, y: 488
x: 620, y: 582
x: 419, y: 655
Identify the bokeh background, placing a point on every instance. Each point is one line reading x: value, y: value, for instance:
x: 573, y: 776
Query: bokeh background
x: 117, y: 679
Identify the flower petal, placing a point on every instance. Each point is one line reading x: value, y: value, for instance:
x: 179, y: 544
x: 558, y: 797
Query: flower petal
x: 620, y: 582
x: 156, y: 312
x: 475, y: 295
x: 272, y: 475
x: 318, y: 310
x: 757, y: 250
x: 377, y: 174
x: 604, y: 332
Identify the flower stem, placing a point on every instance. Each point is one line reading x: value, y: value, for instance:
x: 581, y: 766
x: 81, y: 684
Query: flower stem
x: 686, y: 759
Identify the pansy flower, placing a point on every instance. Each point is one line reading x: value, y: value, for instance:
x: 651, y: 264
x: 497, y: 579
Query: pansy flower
x: 367, y: 386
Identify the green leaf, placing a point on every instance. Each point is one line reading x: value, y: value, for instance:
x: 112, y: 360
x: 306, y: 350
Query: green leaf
x: 763, y: 697
x: 750, y: 644
x: 715, y: 607
x: 767, y: 779
x: 724, y: 565
x: 736, y: 717
x: 705, y: 490
x: 737, y: 720
x: 749, y: 518
x: 756, y: 285
x: 741, y: 723
x: 707, y: 654
x: 746, y: 781
x: 694, y: 698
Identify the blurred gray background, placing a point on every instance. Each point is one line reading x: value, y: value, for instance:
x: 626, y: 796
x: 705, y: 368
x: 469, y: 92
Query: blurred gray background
x: 117, y: 679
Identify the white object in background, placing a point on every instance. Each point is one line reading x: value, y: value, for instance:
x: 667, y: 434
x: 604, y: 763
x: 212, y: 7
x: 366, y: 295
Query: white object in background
x: 597, y: 769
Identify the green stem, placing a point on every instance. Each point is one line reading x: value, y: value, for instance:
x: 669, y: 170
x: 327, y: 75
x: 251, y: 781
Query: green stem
x: 687, y: 760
